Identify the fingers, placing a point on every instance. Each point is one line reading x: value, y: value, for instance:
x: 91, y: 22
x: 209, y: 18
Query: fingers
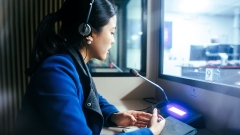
x: 123, y: 119
x: 160, y: 118
x: 143, y: 119
x: 141, y: 123
x: 142, y: 114
x: 133, y: 119
x: 155, y: 112
x: 156, y: 123
x: 157, y: 116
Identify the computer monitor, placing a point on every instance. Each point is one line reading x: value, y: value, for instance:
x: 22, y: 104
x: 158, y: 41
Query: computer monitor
x: 212, y: 51
x: 225, y: 48
x: 197, y: 53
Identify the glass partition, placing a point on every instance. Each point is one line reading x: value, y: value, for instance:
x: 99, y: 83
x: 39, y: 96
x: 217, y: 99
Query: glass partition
x: 201, y: 41
x: 130, y: 41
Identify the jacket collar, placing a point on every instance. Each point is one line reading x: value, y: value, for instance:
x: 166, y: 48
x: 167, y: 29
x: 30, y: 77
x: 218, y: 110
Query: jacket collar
x: 91, y: 100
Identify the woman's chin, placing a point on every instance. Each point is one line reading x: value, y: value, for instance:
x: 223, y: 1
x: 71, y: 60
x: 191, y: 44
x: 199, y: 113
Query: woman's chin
x: 105, y: 56
x: 102, y: 58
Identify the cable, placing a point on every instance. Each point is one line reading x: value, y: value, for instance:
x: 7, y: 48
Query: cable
x: 143, y: 109
x: 147, y: 100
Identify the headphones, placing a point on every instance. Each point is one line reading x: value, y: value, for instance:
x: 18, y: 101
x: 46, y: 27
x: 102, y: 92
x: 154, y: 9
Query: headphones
x: 85, y: 28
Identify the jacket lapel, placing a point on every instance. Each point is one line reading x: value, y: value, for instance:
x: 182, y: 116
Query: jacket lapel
x: 91, y: 100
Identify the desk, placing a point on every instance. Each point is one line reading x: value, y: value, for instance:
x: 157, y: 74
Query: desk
x: 221, y: 74
x: 124, y: 105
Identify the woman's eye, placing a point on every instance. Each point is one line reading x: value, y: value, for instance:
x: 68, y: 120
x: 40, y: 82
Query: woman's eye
x: 112, y: 33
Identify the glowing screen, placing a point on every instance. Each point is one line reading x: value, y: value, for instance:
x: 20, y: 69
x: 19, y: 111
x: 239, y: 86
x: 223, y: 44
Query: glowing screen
x: 177, y: 111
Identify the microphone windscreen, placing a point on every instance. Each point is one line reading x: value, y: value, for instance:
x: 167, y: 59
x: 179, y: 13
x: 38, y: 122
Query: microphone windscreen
x: 134, y: 72
x: 111, y: 65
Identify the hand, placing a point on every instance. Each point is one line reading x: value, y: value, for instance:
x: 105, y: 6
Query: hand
x: 157, y: 122
x: 131, y: 118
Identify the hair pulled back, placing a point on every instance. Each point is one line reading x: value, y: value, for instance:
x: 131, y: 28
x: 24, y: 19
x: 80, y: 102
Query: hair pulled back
x: 72, y: 13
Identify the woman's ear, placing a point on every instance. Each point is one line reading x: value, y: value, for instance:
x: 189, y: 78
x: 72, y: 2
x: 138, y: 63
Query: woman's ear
x: 94, y: 33
x: 89, y: 38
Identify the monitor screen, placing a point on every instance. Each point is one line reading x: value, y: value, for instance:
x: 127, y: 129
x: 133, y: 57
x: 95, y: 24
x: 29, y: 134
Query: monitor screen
x: 197, y: 53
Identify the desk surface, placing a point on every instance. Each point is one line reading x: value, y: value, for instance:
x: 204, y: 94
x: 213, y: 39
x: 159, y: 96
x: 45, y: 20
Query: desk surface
x: 124, y: 105
x: 211, y: 64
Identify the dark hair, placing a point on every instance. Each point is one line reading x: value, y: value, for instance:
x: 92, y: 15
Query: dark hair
x: 72, y: 13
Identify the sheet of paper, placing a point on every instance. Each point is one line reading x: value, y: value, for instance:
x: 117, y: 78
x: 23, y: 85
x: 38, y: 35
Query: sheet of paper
x: 176, y: 127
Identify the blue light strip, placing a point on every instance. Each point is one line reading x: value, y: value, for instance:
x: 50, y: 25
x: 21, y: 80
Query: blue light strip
x: 177, y: 111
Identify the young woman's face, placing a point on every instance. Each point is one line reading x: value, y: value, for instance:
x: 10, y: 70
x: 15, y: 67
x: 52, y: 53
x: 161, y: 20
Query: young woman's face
x: 102, y: 42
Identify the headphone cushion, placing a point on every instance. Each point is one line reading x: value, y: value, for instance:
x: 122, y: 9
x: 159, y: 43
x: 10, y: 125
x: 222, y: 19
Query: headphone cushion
x: 85, y: 29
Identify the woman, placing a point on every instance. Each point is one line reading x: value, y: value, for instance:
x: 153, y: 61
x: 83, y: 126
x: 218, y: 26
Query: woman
x: 61, y: 97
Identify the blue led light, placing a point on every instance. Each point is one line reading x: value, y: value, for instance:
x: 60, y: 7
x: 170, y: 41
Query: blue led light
x: 177, y: 111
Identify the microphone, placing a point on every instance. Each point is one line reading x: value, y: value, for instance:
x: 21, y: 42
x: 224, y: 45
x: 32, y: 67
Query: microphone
x: 134, y: 72
x: 167, y: 108
x: 113, y: 65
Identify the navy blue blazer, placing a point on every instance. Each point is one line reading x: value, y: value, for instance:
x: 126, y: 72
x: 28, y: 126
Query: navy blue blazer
x: 61, y: 99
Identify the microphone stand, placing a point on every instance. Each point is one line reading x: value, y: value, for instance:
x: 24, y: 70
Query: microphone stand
x: 156, y: 86
x: 166, y: 108
x: 160, y: 104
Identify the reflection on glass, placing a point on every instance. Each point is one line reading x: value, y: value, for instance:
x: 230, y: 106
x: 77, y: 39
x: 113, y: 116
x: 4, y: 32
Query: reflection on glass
x: 126, y: 52
x: 202, y: 40
x: 134, y: 33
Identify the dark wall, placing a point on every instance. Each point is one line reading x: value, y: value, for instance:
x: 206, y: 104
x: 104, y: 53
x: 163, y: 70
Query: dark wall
x: 18, y: 23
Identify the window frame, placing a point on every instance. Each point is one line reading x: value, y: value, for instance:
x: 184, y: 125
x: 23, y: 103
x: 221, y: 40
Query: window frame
x: 212, y: 86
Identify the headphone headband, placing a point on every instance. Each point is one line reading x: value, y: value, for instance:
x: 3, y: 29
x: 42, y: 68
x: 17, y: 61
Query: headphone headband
x: 85, y: 28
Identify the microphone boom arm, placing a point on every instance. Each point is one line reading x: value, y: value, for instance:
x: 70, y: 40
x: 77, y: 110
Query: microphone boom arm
x: 155, y: 85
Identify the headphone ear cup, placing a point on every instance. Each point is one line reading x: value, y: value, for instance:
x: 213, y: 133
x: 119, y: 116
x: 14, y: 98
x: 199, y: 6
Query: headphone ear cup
x: 85, y: 29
